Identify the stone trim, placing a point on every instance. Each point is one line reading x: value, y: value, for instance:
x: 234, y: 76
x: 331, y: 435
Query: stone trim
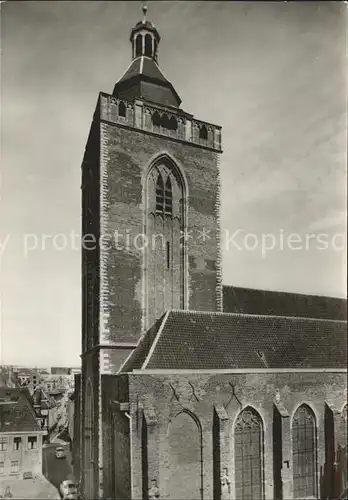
x: 137, y: 112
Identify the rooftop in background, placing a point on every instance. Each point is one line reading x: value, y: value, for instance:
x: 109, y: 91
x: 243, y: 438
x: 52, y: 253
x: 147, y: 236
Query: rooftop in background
x: 193, y: 340
x: 16, y: 411
x: 265, y: 302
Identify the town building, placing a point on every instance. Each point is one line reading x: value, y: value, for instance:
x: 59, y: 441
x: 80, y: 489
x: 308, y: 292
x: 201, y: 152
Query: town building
x: 20, y: 435
x: 189, y: 389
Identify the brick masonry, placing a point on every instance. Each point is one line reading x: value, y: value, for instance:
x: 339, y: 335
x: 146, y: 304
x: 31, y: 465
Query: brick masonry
x: 157, y: 399
x: 126, y: 155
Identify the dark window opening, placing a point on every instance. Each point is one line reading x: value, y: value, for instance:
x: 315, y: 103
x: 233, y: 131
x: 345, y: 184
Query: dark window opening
x: 165, y: 121
x: 168, y: 255
x: 159, y: 194
x: 122, y: 109
x: 138, y: 45
x: 148, y: 45
x: 32, y: 443
x: 203, y: 133
x: 3, y: 444
x: 17, y: 443
x: 155, y: 48
x: 156, y: 120
x: 173, y: 125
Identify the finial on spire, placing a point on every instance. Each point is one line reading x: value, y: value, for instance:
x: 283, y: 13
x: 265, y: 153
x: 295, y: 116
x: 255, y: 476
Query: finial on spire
x: 144, y: 11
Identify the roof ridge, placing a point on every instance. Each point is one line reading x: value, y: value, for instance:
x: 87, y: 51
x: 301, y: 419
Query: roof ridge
x: 220, y: 313
x: 155, y: 341
x: 284, y: 291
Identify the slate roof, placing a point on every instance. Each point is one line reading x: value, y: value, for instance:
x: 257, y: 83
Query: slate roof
x: 204, y: 340
x: 252, y: 301
x: 16, y: 411
x: 144, y: 69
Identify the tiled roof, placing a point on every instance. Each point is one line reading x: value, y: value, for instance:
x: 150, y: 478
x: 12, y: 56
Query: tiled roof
x: 137, y: 358
x: 252, y: 301
x: 202, y: 340
x: 16, y: 411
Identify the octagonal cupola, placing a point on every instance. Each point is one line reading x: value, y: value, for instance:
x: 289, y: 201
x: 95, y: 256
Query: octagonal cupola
x: 145, y: 38
x: 143, y: 78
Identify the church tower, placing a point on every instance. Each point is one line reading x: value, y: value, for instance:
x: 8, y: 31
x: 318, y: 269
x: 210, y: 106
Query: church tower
x: 150, y: 225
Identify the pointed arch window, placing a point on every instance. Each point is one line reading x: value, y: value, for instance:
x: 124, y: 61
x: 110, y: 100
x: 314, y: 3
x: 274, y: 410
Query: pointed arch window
x: 248, y: 435
x: 304, y: 452
x: 138, y: 45
x: 122, y: 109
x: 173, y: 124
x: 156, y: 121
x: 148, y: 45
x: 203, y: 133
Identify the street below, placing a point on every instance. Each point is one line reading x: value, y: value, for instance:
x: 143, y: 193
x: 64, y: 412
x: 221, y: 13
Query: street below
x: 55, y: 469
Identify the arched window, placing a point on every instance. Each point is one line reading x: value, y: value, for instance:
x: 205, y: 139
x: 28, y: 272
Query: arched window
x: 203, y: 133
x: 156, y: 121
x: 159, y: 195
x: 138, y: 45
x: 165, y: 121
x: 155, y: 48
x: 304, y: 452
x: 185, y: 471
x: 173, y: 125
x: 122, y: 109
x: 148, y: 45
x: 164, y: 224
x: 248, y: 438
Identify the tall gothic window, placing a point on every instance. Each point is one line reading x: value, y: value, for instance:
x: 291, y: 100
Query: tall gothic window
x: 164, y: 254
x: 304, y: 452
x: 248, y: 438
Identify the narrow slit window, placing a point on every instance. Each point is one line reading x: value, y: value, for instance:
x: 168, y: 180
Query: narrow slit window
x: 168, y: 255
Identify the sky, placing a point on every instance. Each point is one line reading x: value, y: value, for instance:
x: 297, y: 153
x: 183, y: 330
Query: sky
x: 271, y: 74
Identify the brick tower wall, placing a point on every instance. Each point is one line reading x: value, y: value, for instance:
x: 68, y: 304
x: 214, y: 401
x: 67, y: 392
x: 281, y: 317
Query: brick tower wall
x: 126, y: 154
